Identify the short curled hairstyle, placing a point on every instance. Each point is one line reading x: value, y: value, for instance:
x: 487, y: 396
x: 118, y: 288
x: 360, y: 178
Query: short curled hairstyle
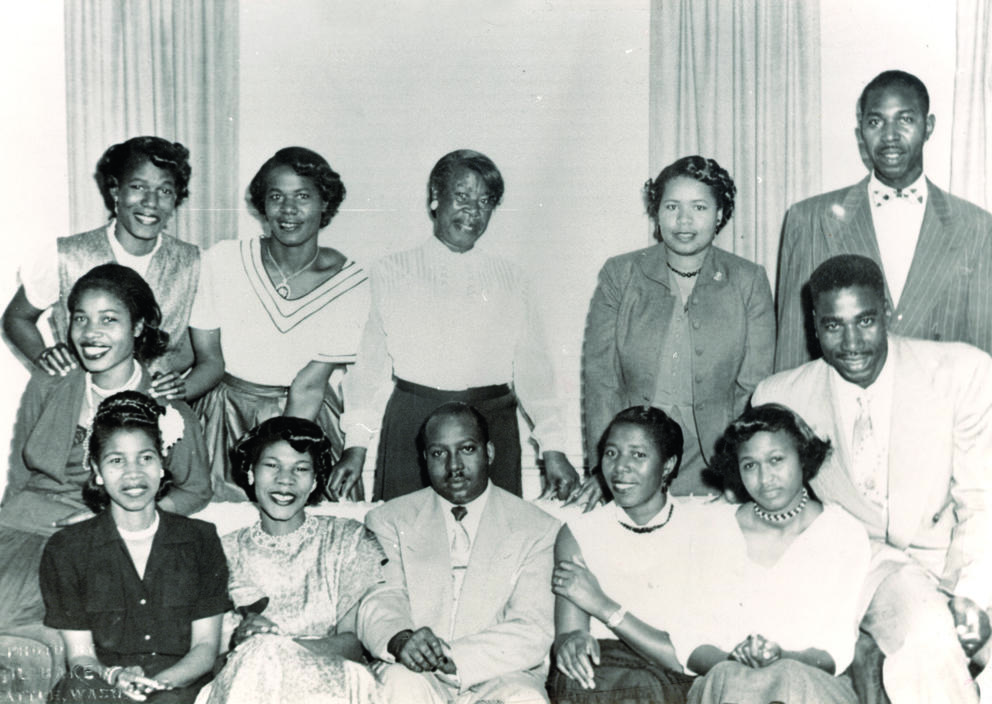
x: 767, y: 418
x: 307, y: 164
x: 122, y: 159
x: 134, y: 293
x: 664, y: 432
x: 301, y: 434
x: 845, y: 271
x: 127, y: 410
x: 895, y: 78
x: 452, y: 162
x: 704, y: 170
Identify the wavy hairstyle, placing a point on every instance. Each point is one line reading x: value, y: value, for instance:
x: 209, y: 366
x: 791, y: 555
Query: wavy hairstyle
x: 127, y: 286
x: 767, y: 418
x: 301, y: 434
x: 664, y: 432
x: 706, y: 171
x: 127, y: 410
x: 307, y: 164
x: 121, y: 159
x: 845, y: 271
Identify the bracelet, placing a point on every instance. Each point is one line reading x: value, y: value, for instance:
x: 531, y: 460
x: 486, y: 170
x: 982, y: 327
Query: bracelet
x: 112, y: 674
x: 616, y: 618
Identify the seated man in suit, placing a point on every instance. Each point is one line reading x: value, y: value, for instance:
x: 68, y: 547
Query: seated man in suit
x: 466, y: 614
x: 934, y: 249
x: 911, y: 426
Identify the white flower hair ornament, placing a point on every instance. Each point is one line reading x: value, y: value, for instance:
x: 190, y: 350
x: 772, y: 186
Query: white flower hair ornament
x: 172, y: 427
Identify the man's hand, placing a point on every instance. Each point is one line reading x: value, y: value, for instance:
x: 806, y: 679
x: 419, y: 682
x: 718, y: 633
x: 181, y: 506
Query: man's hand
x: 421, y: 651
x: 560, y: 477
x: 346, y: 476
x: 971, y: 623
x: 57, y: 360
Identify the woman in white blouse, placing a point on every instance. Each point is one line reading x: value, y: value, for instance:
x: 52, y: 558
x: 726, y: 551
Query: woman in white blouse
x: 777, y: 601
x: 449, y: 322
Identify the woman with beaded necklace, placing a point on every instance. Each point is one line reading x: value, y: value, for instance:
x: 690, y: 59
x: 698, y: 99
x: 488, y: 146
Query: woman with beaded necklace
x: 633, y: 553
x: 682, y: 325
x: 779, y: 583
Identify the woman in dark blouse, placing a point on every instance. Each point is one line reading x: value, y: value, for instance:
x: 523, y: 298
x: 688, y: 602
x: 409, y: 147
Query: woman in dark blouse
x: 137, y: 593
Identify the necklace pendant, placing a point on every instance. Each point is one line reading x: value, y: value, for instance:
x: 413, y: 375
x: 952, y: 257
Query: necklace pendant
x: 283, y: 290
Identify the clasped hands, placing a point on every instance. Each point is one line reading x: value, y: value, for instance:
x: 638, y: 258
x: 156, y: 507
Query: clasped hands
x: 422, y: 651
x: 756, y: 651
x: 577, y: 652
x: 133, y: 683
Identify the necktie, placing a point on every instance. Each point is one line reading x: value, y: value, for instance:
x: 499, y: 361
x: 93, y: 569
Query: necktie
x: 881, y: 195
x: 461, y: 546
x: 867, y: 456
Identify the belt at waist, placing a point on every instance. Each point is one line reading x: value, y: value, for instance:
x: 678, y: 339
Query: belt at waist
x: 251, y: 387
x: 470, y: 395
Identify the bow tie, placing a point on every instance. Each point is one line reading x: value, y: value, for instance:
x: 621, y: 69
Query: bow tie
x: 881, y: 195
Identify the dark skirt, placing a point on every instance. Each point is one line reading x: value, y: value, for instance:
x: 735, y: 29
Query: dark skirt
x: 399, y: 468
x: 622, y: 677
x: 234, y: 407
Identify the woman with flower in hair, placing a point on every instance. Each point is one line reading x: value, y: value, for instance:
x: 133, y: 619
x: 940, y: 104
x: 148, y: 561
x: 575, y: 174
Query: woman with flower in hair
x: 114, y: 330
x: 296, y: 578
x: 682, y: 325
x: 288, y: 311
x: 137, y: 593
x: 143, y: 181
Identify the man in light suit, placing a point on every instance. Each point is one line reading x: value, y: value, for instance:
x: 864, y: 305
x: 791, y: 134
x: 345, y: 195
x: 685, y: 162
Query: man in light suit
x: 911, y: 426
x: 466, y: 613
x: 935, y: 249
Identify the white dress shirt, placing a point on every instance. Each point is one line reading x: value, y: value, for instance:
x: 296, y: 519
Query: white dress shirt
x: 897, y: 224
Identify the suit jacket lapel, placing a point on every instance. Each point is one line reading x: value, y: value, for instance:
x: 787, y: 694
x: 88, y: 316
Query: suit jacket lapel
x: 932, y: 267
x: 913, y: 465
x: 427, y: 562
x: 489, y: 565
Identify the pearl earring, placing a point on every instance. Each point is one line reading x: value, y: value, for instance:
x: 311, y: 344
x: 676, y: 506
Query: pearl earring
x: 251, y: 476
x: 98, y: 480
x: 434, y: 204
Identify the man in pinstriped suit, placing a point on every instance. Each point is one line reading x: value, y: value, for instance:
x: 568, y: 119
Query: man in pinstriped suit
x: 935, y: 249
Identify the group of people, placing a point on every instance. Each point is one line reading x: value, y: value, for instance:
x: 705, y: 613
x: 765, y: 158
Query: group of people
x: 757, y: 520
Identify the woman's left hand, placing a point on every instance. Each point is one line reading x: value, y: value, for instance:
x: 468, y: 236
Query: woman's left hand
x: 756, y: 651
x: 169, y: 386
x: 133, y: 683
x: 573, y: 580
x: 560, y: 477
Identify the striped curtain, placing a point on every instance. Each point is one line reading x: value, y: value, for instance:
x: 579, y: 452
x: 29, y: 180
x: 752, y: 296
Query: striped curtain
x: 161, y: 67
x: 739, y: 81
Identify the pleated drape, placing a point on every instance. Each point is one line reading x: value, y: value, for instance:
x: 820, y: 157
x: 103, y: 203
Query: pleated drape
x: 739, y: 81
x: 971, y: 128
x: 162, y: 67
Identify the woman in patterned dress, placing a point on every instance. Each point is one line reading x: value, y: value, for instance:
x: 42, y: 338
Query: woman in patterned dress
x: 296, y: 579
